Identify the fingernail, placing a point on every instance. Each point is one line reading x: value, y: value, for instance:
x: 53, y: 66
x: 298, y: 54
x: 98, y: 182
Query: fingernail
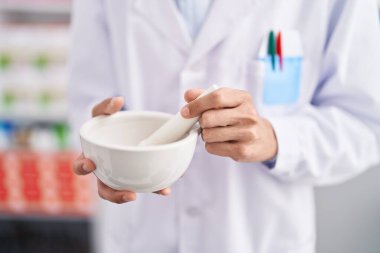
x: 111, y: 104
x: 86, y: 168
x: 126, y: 198
x: 185, y: 112
x: 167, y: 191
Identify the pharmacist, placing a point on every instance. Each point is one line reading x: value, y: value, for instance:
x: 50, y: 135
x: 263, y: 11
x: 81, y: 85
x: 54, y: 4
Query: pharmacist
x: 299, y: 109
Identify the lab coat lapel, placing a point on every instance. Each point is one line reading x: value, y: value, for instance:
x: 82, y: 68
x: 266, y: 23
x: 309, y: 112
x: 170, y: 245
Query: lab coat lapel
x: 164, y: 16
x: 222, y: 18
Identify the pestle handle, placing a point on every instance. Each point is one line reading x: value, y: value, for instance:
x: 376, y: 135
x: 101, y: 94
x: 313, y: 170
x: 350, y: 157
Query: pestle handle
x: 174, y: 128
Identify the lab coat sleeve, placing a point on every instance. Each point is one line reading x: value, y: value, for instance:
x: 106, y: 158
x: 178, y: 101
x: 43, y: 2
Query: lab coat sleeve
x: 92, y: 77
x: 337, y: 135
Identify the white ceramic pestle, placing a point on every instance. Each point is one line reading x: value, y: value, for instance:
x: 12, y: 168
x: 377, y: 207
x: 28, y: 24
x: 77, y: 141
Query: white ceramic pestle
x: 175, y: 128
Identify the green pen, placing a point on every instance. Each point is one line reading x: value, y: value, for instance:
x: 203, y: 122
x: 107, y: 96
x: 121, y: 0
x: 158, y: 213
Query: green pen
x: 272, y: 49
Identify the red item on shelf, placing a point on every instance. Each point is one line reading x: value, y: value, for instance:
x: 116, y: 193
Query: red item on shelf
x: 3, y: 190
x: 43, y: 184
x: 32, y: 195
x: 3, y: 194
x: 65, y: 178
x: 30, y: 178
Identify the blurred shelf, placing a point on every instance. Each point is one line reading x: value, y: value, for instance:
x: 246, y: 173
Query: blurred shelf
x: 36, y: 117
x: 30, y: 13
x: 33, y: 8
x: 45, y: 218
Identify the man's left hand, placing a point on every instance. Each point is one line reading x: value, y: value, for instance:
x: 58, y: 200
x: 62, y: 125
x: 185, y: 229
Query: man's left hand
x: 231, y: 126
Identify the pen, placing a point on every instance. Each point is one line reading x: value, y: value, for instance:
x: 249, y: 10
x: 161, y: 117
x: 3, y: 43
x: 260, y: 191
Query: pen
x: 280, y: 50
x: 272, y: 49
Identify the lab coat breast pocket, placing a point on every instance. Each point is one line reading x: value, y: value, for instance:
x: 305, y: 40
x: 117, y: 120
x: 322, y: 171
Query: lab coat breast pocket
x: 280, y: 77
x: 276, y: 92
x: 282, y: 85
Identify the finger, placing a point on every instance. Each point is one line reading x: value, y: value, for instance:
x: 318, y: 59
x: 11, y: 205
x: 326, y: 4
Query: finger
x: 115, y: 196
x: 108, y: 106
x: 230, y: 133
x: 234, y: 150
x: 228, y: 117
x: 221, y: 98
x: 192, y: 94
x: 225, y: 149
x: 83, y: 166
x: 219, y: 118
x: 164, y: 192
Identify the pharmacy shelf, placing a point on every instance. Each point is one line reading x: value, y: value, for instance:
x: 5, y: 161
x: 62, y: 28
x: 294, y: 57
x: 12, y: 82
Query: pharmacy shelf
x: 39, y: 117
x: 47, y: 218
x: 33, y: 8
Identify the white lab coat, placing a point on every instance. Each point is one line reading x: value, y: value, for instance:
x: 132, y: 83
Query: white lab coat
x: 142, y: 50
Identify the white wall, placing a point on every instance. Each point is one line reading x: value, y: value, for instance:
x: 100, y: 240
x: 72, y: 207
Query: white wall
x: 349, y: 216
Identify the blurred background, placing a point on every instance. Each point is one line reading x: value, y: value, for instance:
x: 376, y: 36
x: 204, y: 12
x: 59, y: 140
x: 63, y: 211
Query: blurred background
x: 43, y: 206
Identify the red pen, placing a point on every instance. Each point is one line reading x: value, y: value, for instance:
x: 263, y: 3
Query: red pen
x: 279, y: 50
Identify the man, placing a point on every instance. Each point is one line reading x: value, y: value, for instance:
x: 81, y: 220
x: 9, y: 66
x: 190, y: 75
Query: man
x: 306, y: 115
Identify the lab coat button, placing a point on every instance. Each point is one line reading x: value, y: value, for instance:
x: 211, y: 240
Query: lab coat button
x: 193, y: 211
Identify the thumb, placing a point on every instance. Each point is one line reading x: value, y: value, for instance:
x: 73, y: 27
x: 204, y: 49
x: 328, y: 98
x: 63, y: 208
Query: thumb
x: 108, y: 106
x: 192, y: 94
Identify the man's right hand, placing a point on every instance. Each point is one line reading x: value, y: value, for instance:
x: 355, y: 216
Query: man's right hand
x: 84, y: 166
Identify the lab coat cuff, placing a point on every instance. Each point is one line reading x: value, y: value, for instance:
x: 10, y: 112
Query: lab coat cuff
x: 271, y: 164
x: 288, y: 153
